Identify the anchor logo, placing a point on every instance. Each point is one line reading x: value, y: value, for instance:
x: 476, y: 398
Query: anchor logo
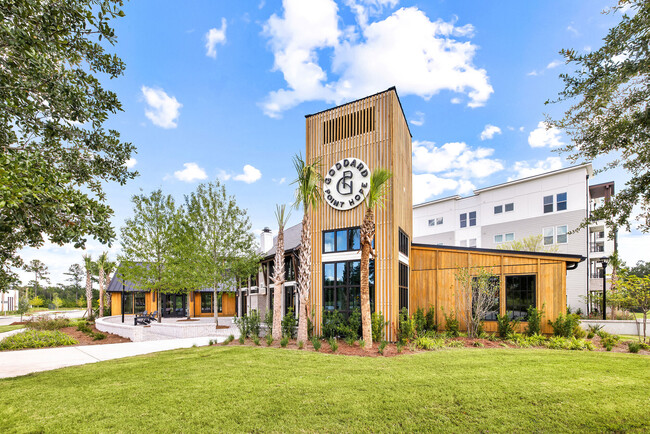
x: 344, y: 187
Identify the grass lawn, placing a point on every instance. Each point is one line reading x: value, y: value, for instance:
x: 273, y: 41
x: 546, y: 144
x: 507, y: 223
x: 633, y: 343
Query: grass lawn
x: 261, y: 389
x: 8, y: 328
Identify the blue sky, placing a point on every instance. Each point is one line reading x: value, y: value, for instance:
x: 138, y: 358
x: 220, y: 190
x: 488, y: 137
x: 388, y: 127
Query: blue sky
x: 219, y: 89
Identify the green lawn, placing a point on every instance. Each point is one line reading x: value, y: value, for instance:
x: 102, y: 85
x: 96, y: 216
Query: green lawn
x: 260, y: 389
x: 8, y: 328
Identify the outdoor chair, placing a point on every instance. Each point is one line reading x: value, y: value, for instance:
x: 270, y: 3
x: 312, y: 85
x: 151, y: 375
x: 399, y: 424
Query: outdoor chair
x: 153, y: 316
x: 143, y: 318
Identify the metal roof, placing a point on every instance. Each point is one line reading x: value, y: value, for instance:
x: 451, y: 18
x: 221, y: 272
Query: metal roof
x: 116, y: 285
x: 291, y: 240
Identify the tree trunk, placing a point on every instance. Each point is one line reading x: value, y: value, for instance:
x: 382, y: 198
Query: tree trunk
x: 189, y: 298
x: 159, y: 306
x: 215, y: 305
x: 102, y: 279
x: 89, y: 294
x: 278, y: 280
x: 367, y: 234
x: 304, y: 277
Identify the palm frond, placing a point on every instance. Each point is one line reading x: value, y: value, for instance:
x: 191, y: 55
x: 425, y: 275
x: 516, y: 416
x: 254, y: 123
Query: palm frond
x: 378, y: 187
x: 282, y: 215
x: 308, y: 182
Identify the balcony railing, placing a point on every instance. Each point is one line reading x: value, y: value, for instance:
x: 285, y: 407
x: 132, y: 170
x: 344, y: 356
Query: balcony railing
x: 593, y: 247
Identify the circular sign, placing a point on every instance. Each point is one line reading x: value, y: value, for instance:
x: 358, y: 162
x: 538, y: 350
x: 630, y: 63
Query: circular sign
x: 346, y: 184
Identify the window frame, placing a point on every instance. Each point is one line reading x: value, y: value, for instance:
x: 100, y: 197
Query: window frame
x: 403, y: 242
x: 552, y: 236
x: 495, y: 238
x: 403, y: 284
x: 565, y: 234
x: 463, y: 220
x: 505, y: 237
x: 346, y: 287
x: 498, y: 209
x: 563, y: 203
x: 349, y: 239
x: 510, y: 312
x: 512, y: 205
x: 475, y: 218
x: 548, y: 204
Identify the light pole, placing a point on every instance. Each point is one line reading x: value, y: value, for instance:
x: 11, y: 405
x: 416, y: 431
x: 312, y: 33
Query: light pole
x: 603, y: 262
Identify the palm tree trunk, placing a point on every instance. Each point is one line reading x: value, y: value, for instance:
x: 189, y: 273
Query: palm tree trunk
x: 367, y: 234
x: 278, y: 279
x: 304, y: 277
x: 102, y: 279
x: 89, y: 294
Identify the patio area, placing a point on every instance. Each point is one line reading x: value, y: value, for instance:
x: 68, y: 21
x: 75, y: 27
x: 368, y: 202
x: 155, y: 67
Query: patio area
x: 169, y: 328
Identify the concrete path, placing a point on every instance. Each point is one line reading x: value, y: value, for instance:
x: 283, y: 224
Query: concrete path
x: 16, y: 363
x: 6, y: 320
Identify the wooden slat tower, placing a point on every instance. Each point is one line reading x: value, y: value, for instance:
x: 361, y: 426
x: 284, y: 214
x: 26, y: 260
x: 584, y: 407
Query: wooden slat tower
x: 374, y: 130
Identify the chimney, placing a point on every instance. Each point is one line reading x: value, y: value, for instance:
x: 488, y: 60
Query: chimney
x: 266, y: 240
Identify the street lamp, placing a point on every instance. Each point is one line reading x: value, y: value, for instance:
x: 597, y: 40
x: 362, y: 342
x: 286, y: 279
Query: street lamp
x: 603, y: 262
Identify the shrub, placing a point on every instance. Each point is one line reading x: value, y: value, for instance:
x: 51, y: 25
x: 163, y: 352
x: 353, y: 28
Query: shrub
x: 332, y: 323
x: 352, y: 329
x: 256, y: 340
x: 608, y: 341
x: 36, y: 339
x: 269, y: 340
x: 452, y: 325
x: 45, y: 322
x: 572, y: 343
x: 518, y: 340
x: 420, y: 321
x: 406, y: 332
x: 431, y: 319
x: 594, y: 328
x: 228, y: 340
x: 98, y: 336
x: 242, y: 339
x: 268, y: 321
x: 301, y: 345
x: 492, y: 337
x: 399, y: 348
x: 254, y: 322
x: 289, y: 324
x: 83, y: 327
x: 350, y: 341
x: 242, y: 324
x: 427, y: 343
x: 377, y: 323
x: 536, y: 340
x: 565, y: 325
x: 316, y: 343
x: 534, y: 321
x: 633, y: 347
x: 284, y: 341
x: 333, y: 344
x: 455, y: 344
x: 505, y: 327
x: 362, y: 343
x: 382, y: 347
x: 478, y: 344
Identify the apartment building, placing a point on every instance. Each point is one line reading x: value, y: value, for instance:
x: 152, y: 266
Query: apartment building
x: 551, y: 204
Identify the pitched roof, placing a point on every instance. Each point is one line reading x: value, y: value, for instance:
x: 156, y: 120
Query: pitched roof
x: 291, y: 240
x: 118, y: 285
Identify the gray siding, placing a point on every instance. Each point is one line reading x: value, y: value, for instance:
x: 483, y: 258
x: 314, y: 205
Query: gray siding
x: 445, y: 238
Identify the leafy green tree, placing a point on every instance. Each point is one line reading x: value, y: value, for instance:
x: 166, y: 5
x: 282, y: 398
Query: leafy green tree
x: 36, y: 301
x: 148, y: 244
x: 636, y: 293
x: 40, y: 273
x: 641, y: 269
x: 610, y: 92
x: 219, y: 247
x: 532, y: 243
x: 56, y: 301
x: 76, y: 274
x: 23, y: 306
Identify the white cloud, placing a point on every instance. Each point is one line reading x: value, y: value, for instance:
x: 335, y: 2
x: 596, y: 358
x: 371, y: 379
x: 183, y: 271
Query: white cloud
x: 455, y: 101
x: 407, y: 49
x: 249, y: 176
x: 542, y: 136
x: 418, y: 120
x: 215, y: 37
x: 573, y: 30
x: 163, y: 109
x: 223, y: 175
x: 524, y: 169
x: 191, y: 173
x: 131, y: 162
x: 489, y: 132
x: 521, y: 129
x: 279, y: 181
x: 554, y: 64
x: 428, y: 185
x: 454, y: 159
x: 533, y: 73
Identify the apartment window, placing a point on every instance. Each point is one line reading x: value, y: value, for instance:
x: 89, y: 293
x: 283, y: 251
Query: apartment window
x: 463, y: 220
x: 439, y: 220
x: 403, y: 286
x: 341, y: 286
x: 472, y: 218
x: 561, y: 202
x: 504, y: 237
x: 498, y: 209
x: 520, y: 295
x: 139, y: 302
x: 510, y: 236
x: 432, y: 222
x: 549, y: 235
x: 403, y: 242
x: 436, y: 221
x: 472, y: 242
x: 342, y: 240
x: 498, y: 238
x: 289, y: 270
x: 548, y: 204
x: 561, y: 234
x: 510, y: 207
x: 206, y: 302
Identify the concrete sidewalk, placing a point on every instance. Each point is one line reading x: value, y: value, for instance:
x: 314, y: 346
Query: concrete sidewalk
x: 16, y: 363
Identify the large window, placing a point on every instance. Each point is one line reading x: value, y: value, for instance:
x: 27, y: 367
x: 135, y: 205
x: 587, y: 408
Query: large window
x: 548, y: 236
x: 403, y: 242
x: 520, y: 295
x: 128, y: 302
x: 342, y: 240
x: 494, y: 285
x: 289, y: 270
x: 403, y: 286
x: 472, y: 218
x: 206, y: 302
x: 561, y: 202
x: 561, y: 234
x: 463, y: 220
x: 341, y: 286
x: 436, y: 221
x: 140, y: 305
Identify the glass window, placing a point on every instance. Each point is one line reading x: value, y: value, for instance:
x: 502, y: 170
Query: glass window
x: 463, y: 220
x: 328, y: 242
x: 498, y: 209
x: 354, y: 237
x: 329, y: 274
x: 510, y: 207
x: 520, y: 295
x: 289, y: 271
x: 403, y: 286
x: 472, y: 218
x: 340, y: 273
x: 403, y: 242
x: 139, y: 302
x: 548, y: 236
x: 493, y: 311
x: 439, y: 221
x: 548, y: 204
x: 510, y: 236
x: 498, y: 238
x: 128, y: 302
x: 343, y: 293
x: 432, y: 222
x: 561, y: 233
x: 341, y: 241
x: 561, y: 201
x: 206, y: 302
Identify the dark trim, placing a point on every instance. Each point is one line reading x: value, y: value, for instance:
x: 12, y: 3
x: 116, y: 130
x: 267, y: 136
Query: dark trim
x: 324, y: 231
x: 366, y: 97
x: 578, y: 258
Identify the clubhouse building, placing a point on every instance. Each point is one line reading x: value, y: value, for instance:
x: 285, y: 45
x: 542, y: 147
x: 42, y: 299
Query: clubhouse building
x: 351, y: 141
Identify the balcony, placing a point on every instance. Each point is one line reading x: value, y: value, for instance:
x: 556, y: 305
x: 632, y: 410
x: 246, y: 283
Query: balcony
x: 596, y: 248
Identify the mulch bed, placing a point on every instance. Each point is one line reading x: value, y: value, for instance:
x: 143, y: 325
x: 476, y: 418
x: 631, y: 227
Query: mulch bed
x: 84, y: 339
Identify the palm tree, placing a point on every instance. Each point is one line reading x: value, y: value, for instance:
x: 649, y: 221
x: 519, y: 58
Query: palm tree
x: 89, y: 265
x: 375, y: 197
x: 104, y: 267
x: 109, y: 268
x: 307, y: 195
x: 278, y: 271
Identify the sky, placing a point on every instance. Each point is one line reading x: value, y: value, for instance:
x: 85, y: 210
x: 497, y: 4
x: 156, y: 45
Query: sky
x: 219, y: 90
